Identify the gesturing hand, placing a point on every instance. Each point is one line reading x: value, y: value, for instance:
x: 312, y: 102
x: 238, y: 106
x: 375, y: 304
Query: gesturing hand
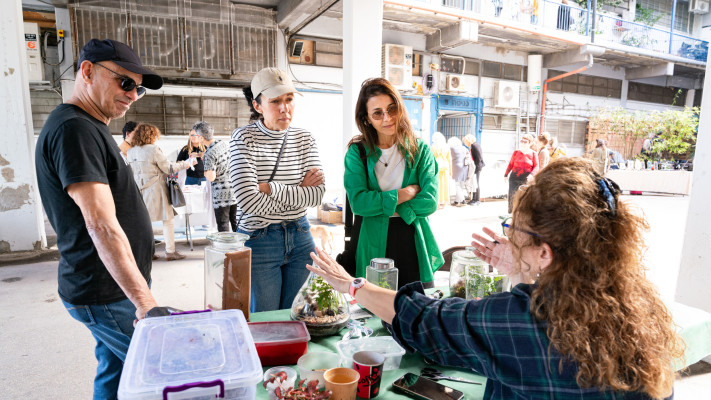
x: 496, y: 252
x: 328, y: 269
x: 314, y: 177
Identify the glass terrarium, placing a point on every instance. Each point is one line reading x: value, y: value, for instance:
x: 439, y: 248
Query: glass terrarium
x: 480, y: 285
x: 320, y: 307
x: 228, y: 265
x: 458, y: 274
x: 382, y: 272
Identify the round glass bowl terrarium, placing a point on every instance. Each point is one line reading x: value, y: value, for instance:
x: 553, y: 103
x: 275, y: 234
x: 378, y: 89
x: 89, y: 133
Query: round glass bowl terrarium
x: 320, y: 307
x: 458, y: 271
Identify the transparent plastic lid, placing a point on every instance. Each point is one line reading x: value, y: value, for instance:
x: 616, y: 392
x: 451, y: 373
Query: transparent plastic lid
x: 279, y: 332
x: 188, y: 349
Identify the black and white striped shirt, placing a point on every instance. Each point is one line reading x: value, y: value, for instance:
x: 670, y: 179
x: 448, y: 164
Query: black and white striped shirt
x: 253, y: 154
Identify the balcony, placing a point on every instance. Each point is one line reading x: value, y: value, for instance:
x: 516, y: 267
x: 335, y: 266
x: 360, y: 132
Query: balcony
x: 571, y: 18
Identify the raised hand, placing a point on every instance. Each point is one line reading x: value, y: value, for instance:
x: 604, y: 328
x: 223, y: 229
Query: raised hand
x: 495, y: 251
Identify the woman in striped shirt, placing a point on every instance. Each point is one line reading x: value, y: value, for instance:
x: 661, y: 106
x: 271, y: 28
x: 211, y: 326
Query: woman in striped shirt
x: 276, y: 174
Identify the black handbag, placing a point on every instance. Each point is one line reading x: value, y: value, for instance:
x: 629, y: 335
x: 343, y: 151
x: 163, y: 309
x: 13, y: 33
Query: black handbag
x: 352, y: 226
x: 175, y: 194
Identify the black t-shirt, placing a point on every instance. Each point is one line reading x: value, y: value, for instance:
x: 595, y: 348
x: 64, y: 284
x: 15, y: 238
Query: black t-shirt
x: 75, y: 147
x: 199, y: 167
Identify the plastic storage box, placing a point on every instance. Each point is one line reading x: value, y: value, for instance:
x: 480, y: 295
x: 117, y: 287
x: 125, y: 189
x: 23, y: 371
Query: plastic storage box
x: 385, y: 345
x: 280, y: 342
x: 191, y: 356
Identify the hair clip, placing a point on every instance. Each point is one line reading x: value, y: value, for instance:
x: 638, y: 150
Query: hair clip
x: 609, y: 190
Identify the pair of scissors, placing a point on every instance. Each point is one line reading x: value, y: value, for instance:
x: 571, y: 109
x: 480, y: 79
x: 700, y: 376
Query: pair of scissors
x: 436, y: 375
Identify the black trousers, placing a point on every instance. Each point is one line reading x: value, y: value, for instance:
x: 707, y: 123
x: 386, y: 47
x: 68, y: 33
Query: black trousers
x: 515, y: 182
x: 226, y: 218
x: 401, y: 248
x: 477, y: 195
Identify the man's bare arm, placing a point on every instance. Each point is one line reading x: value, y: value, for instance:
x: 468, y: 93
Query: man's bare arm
x: 97, y: 206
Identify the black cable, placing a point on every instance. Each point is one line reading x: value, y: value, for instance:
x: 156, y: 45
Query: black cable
x: 288, y: 65
x: 44, y: 47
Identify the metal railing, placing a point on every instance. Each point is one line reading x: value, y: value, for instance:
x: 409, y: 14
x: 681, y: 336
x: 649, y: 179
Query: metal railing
x: 572, y: 18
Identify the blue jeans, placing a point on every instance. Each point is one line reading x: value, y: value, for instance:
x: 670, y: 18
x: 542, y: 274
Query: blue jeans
x: 112, y: 327
x: 280, y: 253
x: 189, y: 180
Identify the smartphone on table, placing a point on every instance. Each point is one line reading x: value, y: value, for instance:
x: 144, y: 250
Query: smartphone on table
x: 425, y: 389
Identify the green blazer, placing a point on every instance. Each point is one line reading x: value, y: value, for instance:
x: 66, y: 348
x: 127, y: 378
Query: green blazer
x: 376, y: 207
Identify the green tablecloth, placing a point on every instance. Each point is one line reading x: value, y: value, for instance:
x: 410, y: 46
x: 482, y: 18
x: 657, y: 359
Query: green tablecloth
x: 410, y: 362
x: 694, y: 327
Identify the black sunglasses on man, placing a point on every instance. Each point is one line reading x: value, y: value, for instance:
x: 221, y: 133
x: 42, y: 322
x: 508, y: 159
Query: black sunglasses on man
x: 127, y: 84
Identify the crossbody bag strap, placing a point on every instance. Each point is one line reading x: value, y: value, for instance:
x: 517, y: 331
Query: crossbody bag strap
x: 281, y: 151
x: 364, y: 159
x: 271, y: 177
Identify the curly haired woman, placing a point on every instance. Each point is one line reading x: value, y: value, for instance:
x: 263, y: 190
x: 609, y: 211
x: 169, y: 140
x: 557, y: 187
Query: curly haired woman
x: 583, y: 323
x: 150, y: 168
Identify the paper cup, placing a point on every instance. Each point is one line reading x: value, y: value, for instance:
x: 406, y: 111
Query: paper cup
x: 342, y: 382
x: 369, y: 365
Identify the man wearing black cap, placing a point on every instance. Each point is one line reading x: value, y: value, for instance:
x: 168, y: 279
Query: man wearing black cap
x: 104, y: 233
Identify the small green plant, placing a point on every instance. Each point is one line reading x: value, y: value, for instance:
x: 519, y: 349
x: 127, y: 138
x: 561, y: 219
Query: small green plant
x: 646, y: 16
x: 481, y: 285
x: 383, y: 282
x: 326, y: 297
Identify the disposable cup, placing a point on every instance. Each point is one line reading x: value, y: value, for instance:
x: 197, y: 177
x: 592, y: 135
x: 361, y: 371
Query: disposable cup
x: 342, y: 382
x: 369, y: 365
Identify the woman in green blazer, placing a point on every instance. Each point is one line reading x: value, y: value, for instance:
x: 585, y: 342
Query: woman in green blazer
x: 400, y: 190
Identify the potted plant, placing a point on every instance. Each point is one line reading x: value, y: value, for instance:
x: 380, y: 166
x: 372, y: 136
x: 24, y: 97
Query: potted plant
x: 320, y: 307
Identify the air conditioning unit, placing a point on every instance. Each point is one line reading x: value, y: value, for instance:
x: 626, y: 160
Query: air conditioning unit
x: 699, y: 6
x: 454, y: 83
x: 397, y: 65
x: 506, y: 94
x: 460, y: 33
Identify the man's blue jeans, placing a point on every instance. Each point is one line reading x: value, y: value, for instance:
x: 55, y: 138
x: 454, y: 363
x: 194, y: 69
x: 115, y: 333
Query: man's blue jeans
x: 280, y: 253
x: 112, y: 327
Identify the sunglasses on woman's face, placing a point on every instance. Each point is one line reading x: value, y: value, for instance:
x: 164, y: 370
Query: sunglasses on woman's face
x: 127, y: 84
x: 377, y: 115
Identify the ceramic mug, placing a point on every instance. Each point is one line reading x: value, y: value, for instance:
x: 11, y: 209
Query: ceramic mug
x: 369, y: 365
x: 342, y: 382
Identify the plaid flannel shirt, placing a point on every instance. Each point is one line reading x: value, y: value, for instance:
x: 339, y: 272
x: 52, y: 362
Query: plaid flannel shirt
x: 497, y: 337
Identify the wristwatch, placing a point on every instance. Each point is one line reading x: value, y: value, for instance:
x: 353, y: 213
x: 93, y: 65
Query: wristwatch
x: 355, y: 285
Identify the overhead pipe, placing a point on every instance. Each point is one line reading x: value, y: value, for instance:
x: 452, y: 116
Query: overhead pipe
x: 555, y: 78
x: 310, y: 19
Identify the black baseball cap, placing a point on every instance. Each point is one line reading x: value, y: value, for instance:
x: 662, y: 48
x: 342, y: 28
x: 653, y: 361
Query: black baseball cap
x: 96, y: 50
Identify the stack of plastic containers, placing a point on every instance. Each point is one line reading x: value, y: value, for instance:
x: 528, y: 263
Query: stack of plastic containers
x: 191, y: 356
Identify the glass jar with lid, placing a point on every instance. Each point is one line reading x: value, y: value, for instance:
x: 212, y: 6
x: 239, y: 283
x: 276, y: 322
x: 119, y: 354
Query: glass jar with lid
x: 458, y: 271
x: 382, y: 272
x: 228, y: 266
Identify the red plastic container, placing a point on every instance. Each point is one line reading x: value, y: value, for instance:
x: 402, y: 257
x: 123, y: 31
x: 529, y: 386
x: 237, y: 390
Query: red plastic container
x: 280, y: 342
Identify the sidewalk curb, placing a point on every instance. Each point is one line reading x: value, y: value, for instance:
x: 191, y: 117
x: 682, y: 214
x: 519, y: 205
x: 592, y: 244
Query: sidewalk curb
x: 28, y: 257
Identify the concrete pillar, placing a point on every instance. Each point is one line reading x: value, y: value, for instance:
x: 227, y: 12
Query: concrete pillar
x: 21, y: 217
x: 67, y: 67
x: 362, y: 42
x: 690, y: 94
x: 694, y: 279
x: 624, y: 93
